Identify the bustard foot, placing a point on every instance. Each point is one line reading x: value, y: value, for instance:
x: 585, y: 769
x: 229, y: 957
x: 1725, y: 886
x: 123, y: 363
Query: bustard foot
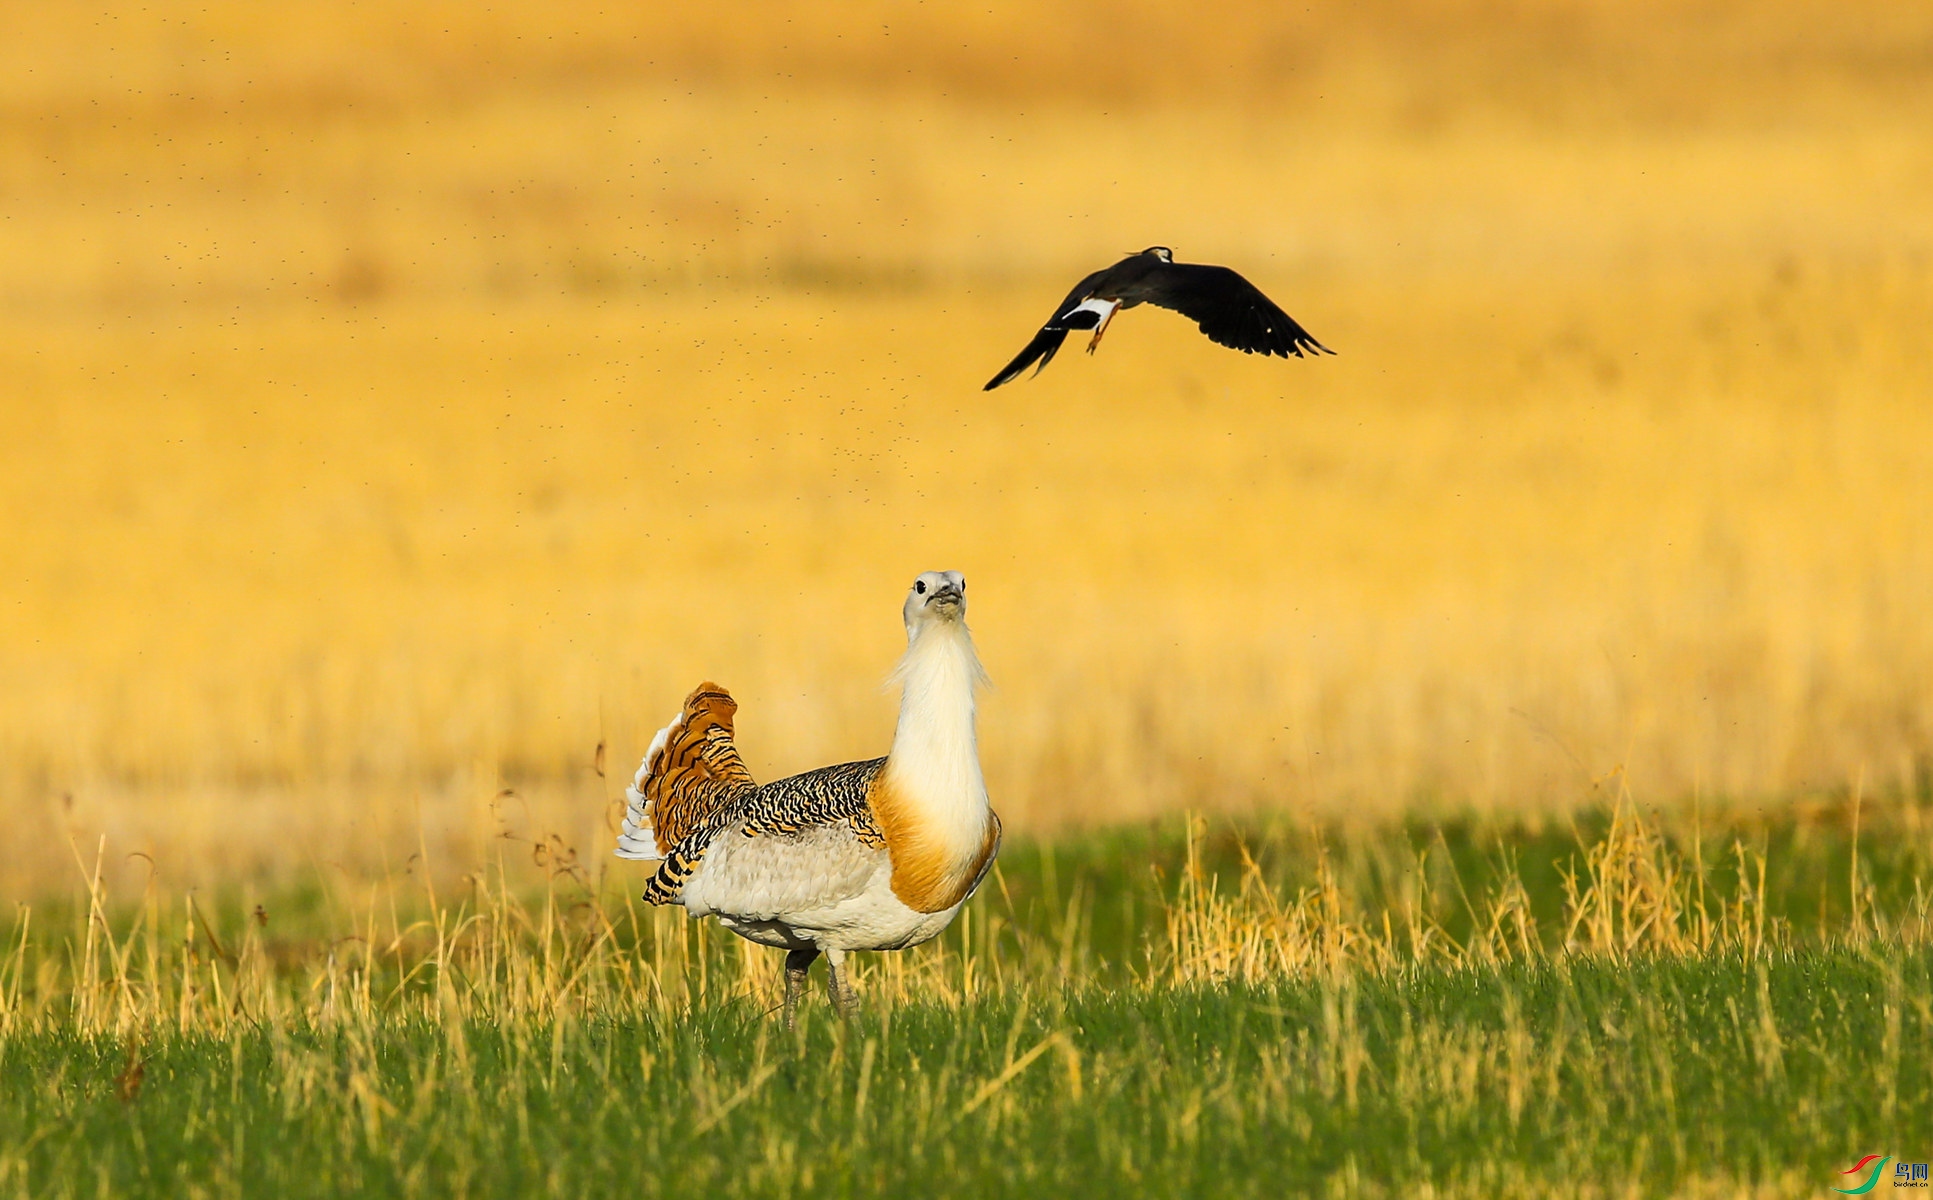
x: 845, y: 1001
x: 797, y: 963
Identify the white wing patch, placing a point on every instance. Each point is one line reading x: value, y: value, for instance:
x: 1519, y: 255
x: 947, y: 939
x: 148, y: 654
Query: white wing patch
x: 1102, y: 310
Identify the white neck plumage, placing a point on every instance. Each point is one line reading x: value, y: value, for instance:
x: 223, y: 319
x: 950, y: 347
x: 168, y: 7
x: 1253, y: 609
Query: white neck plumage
x: 934, y: 767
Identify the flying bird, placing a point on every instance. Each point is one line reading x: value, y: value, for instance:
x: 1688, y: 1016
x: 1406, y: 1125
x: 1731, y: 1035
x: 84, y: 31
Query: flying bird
x: 875, y: 855
x: 1230, y: 310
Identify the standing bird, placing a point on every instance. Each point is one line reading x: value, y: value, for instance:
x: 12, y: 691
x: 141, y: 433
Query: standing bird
x: 875, y: 855
x: 1230, y: 310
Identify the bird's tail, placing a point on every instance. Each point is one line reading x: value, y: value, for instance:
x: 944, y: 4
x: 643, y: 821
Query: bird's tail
x: 691, y: 770
x: 1045, y: 345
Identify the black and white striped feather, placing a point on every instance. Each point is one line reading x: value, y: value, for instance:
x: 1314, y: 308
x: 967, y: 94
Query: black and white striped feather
x: 788, y: 810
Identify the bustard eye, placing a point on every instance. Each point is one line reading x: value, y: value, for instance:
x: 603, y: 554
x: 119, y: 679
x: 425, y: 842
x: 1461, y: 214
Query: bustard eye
x: 920, y: 587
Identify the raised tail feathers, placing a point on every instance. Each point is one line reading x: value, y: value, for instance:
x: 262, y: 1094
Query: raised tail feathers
x: 691, y: 770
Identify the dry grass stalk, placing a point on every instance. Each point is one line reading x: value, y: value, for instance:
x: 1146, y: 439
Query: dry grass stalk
x: 507, y: 954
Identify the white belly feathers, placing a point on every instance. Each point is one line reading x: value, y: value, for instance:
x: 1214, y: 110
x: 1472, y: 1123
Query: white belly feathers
x: 823, y: 888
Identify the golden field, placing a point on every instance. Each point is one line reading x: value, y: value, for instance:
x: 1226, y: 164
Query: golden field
x: 397, y: 406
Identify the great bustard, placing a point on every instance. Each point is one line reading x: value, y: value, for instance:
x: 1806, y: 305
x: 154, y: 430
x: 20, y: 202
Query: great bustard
x: 1230, y: 310
x: 875, y: 855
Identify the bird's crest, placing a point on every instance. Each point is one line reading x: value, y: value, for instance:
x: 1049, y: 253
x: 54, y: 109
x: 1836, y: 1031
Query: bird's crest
x: 691, y: 770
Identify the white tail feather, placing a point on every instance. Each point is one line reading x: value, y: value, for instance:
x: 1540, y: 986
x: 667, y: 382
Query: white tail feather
x: 639, y: 840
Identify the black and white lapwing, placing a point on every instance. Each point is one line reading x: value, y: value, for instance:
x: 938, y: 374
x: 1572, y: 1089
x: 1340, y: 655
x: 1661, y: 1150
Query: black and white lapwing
x: 1230, y: 310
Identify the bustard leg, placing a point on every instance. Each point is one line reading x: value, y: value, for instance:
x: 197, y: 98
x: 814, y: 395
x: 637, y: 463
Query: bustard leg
x: 845, y: 1001
x: 1100, y: 329
x: 797, y: 963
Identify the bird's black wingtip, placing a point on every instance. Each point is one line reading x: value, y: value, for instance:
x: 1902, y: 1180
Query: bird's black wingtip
x: 1042, y: 349
x: 1006, y: 377
x: 1008, y: 374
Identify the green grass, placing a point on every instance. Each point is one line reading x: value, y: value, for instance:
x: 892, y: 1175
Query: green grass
x: 1518, y: 1079
x: 1064, y: 1041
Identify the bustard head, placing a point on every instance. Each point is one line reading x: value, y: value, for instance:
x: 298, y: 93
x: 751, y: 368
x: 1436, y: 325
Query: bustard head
x: 937, y: 596
x: 1161, y: 252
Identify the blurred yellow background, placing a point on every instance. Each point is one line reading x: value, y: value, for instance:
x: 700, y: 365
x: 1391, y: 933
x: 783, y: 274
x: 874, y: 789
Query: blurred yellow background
x: 396, y: 402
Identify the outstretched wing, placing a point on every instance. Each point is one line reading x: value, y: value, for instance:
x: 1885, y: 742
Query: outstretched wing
x: 1068, y: 315
x: 1045, y: 345
x: 1232, y: 311
x: 691, y: 773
